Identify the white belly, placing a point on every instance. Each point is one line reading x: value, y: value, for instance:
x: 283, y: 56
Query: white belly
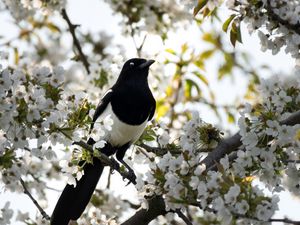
x: 121, y: 133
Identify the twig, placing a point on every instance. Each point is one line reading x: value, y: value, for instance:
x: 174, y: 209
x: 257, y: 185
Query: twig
x: 138, y: 48
x: 159, y: 151
x: 285, y: 220
x: 39, y: 181
x: 109, y: 178
x: 72, y: 28
x: 111, y: 162
x: 132, y: 205
x: 291, y: 161
x: 155, y: 150
x: 183, y: 217
x: 44, y: 214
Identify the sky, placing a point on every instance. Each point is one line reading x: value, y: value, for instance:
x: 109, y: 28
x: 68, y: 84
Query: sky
x: 94, y: 15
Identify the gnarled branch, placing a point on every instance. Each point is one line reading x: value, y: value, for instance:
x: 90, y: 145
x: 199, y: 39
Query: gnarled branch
x: 229, y: 145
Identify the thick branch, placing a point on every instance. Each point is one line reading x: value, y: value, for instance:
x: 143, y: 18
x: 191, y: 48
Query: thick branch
x: 44, y: 214
x: 231, y: 144
x: 144, y: 216
x: 72, y: 28
x: 225, y: 147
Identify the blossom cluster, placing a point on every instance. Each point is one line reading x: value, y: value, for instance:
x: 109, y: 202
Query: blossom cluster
x: 39, y: 117
x: 227, y: 195
x: 277, y: 23
x: 271, y: 147
x: 105, y: 208
x: 28, y: 104
x: 36, y: 115
x: 183, y: 180
x: 151, y: 16
x: 25, y: 8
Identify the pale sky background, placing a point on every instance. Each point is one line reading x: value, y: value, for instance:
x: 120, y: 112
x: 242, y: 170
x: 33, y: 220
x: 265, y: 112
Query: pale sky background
x: 94, y: 15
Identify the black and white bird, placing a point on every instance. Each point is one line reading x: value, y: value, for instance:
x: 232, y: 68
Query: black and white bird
x: 130, y: 104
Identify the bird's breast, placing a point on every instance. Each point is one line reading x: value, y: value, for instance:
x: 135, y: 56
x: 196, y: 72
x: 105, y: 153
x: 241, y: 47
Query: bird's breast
x: 121, y: 133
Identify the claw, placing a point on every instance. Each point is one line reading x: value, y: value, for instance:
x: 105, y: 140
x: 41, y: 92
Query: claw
x: 131, y: 175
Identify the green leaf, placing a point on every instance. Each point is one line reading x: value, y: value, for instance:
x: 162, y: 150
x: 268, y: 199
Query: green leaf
x: 226, y: 68
x: 189, y: 84
x: 7, y: 159
x: 171, y: 51
x: 201, y: 77
x: 184, y: 48
x: 200, y: 64
x: 209, y: 37
x: 207, y: 54
x: 148, y: 135
x: 17, y: 56
x: 233, y: 34
x: 230, y: 117
x: 200, y: 5
x: 239, y: 35
x: 212, y: 95
x: 102, y: 79
x: 227, y: 22
x: 53, y: 27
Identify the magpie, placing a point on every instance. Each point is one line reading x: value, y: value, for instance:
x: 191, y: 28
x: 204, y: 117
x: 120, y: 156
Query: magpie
x: 130, y: 104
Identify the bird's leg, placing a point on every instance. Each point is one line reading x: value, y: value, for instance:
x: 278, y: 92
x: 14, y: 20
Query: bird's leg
x: 120, y: 155
x: 131, y: 174
x: 115, y: 165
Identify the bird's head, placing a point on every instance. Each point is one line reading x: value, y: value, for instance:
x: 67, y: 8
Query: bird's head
x: 135, y: 68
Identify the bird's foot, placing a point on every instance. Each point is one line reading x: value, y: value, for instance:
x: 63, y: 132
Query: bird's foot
x: 131, y: 177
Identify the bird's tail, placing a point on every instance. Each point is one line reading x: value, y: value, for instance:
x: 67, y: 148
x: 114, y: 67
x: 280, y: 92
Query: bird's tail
x: 73, y: 200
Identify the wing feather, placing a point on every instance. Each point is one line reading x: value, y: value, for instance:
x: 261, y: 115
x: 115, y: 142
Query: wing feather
x: 102, y: 106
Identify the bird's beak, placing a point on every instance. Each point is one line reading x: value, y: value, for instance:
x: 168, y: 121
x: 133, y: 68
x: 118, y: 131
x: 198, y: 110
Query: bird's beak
x: 147, y: 63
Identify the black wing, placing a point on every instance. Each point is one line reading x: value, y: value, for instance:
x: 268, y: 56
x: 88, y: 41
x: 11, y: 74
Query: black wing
x: 152, y: 110
x: 101, y: 106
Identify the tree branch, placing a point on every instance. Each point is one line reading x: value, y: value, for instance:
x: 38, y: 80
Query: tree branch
x: 159, y: 151
x: 273, y: 16
x: 285, y: 220
x: 72, y: 28
x: 111, y: 162
x: 44, y: 214
x: 183, y: 217
x: 229, y: 145
x: 140, y: 47
x: 144, y: 216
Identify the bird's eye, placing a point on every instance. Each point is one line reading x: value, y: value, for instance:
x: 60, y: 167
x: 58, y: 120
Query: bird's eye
x: 131, y: 64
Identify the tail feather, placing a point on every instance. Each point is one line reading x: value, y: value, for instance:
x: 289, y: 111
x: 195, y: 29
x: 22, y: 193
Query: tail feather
x: 73, y: 200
